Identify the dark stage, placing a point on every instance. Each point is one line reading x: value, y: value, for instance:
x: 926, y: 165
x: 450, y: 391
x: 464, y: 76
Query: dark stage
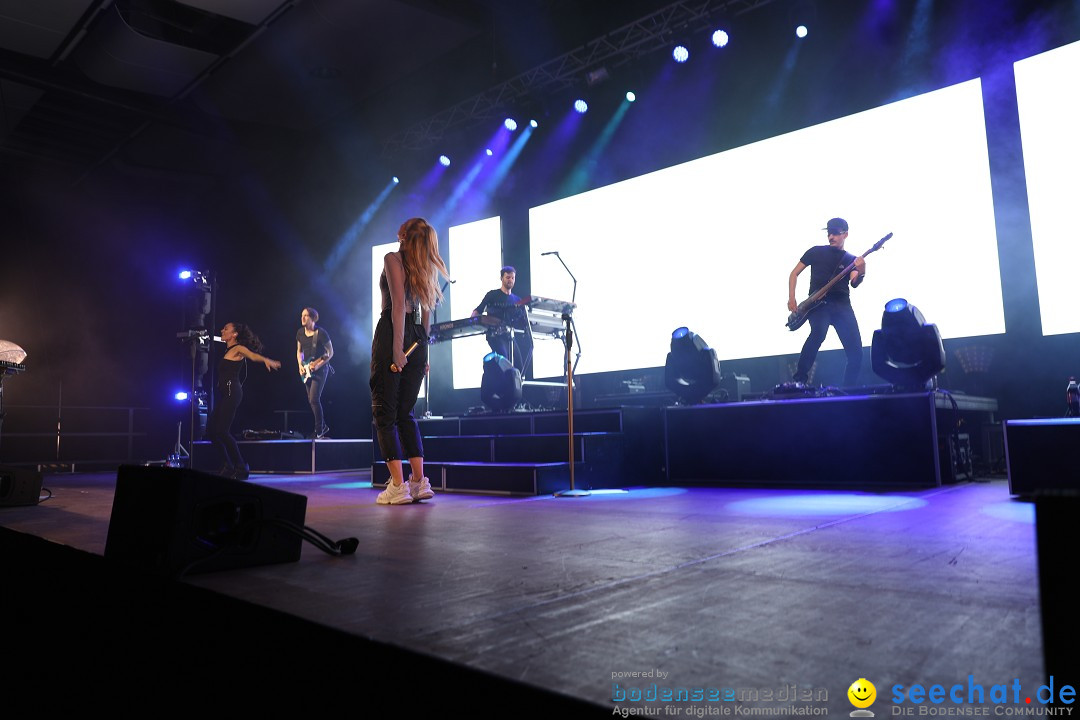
x: 750, y: 589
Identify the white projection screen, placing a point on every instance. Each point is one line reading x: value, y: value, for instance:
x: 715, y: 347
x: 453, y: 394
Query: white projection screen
x: 378, y: 252
x: 709, y: 244
x: 474, y: 260
x: 1048, y: 96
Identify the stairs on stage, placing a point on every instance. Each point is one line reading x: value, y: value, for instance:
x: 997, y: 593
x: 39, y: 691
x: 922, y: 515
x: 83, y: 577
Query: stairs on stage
x: 528, y: 453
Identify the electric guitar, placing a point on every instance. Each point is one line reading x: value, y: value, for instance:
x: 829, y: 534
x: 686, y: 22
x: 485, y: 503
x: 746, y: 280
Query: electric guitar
x: 306, y: 370
x: 802, y: 312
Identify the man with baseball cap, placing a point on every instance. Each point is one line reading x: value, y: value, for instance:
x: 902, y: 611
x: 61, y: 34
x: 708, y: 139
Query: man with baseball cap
x: 825, y: 262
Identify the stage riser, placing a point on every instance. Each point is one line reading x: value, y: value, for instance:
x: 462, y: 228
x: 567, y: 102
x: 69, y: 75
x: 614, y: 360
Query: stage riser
x: 1041, y: 455
x: 877, y: 441
x: 504, y: 479
x: 290, y: 456
x: 527, y: 453
x: 521, y: 448
x: 591, y: 421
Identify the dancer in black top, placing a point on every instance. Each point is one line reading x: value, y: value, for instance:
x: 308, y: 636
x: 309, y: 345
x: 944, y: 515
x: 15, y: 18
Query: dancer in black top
x: 503, y: 304
x: 410, y: 289
x: 240, y: 344
x: 313, y: 353
x: 825, y: 261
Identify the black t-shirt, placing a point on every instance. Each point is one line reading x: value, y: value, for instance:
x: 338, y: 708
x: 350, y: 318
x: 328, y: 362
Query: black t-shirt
x: 503, y: 306
x: 825, y: 262
x: 315, y: 346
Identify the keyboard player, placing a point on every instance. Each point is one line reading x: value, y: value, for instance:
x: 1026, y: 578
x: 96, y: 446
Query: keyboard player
x: 503, y: 304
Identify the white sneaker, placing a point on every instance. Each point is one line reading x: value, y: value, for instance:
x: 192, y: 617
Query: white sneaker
x: 394, y: 494
x: 420, y: 489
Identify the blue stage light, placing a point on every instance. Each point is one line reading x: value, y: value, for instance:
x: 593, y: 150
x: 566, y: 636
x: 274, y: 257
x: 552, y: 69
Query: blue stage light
x: 534, y: 124
x: 581, y: 106
x: 444, y: 161
x: 680, y: 54
x: 488, y: 152
x: 181, y: 395
x: 897, y: 305
x: 630, y: 96
x: 395, y: 180
x: 720, y: 38
x: 510, y: 124
x: 801, y: 31
x: 185, y: 274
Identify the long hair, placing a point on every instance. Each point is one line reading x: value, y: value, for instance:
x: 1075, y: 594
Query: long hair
x: 423, y: 264
x: 247, y: 338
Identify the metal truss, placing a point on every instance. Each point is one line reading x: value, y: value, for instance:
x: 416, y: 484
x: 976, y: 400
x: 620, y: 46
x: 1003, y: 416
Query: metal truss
x: 643, y: 36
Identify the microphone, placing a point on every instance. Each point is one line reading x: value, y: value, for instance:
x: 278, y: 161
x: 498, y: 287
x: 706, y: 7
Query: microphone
x: 553, y: 252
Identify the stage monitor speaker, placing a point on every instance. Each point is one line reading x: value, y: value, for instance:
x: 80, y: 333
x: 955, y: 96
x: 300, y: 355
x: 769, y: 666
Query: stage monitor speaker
x: 180, y: 521
x: 19, y: 486
x: 1039, y: 455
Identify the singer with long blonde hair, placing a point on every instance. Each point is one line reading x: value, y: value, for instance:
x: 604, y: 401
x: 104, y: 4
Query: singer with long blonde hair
x: 410, y: 290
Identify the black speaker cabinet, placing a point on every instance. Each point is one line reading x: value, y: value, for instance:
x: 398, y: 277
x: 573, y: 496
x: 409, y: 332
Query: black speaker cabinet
x: 19, y: 486
x: 1041, y: 455
x: 180, y: 521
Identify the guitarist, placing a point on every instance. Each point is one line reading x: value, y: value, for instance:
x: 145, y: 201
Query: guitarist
x: 825, y: 261
x: 313, y: 353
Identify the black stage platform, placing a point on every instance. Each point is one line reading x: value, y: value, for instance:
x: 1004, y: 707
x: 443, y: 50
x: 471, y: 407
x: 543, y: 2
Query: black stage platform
x: 854, y: 441
x: 576, y: 599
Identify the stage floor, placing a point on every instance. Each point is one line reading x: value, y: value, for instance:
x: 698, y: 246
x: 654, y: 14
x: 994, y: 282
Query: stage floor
x: 712, y: 588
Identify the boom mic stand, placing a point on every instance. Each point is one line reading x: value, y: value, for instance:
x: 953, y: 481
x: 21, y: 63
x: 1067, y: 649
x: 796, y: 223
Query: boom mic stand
x: 568, y: 337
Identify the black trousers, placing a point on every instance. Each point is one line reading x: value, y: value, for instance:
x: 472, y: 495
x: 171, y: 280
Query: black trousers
x: 393, y: 394
x: 314, y: 389
x: 219, y: 424
x: 838, y: 314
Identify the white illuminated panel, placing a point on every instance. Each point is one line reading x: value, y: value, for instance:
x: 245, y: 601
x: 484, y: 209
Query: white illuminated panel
x: 709, y: 244
x: 378, y: 253
x: 1049, y: 102
x: 475, y: 259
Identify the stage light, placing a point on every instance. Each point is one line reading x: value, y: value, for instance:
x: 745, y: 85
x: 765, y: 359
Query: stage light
x: 510, y: 124
x: 906, y: 351
x: 488, y: 152
x: 533, y: 124
x: 581, y: 106
x: 801, y: 31
x: 692, y: 370
x: 181, y: 395
x: 395, y: 180
x: 444, y: 161
x: 680, y: 54
x: 720, y: 38
x: 630, y: 96
x: 185, y: 274
x: 500, y: 388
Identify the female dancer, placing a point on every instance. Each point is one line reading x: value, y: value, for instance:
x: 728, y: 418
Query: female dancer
x: 240, y: 344
x: 313, y: 353
x: 410, y: 289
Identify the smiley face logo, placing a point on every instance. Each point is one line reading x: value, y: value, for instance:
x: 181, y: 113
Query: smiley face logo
x: 862, y: 693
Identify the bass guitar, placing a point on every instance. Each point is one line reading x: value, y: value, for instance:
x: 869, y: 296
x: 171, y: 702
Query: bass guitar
x: 802, y: 312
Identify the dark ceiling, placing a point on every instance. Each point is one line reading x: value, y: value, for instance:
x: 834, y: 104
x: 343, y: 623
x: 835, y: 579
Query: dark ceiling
x: 145, y: 82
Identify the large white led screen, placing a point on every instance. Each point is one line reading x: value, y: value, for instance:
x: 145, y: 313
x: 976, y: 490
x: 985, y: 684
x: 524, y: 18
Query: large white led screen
x: 1049, y: 103
x: 709, y: 244
x: 474, y: 261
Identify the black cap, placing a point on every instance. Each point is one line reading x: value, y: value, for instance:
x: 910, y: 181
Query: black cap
x: 836, y: 226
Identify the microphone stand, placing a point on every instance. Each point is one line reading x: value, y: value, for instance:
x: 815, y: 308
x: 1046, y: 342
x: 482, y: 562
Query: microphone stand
x: 569, y: 371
